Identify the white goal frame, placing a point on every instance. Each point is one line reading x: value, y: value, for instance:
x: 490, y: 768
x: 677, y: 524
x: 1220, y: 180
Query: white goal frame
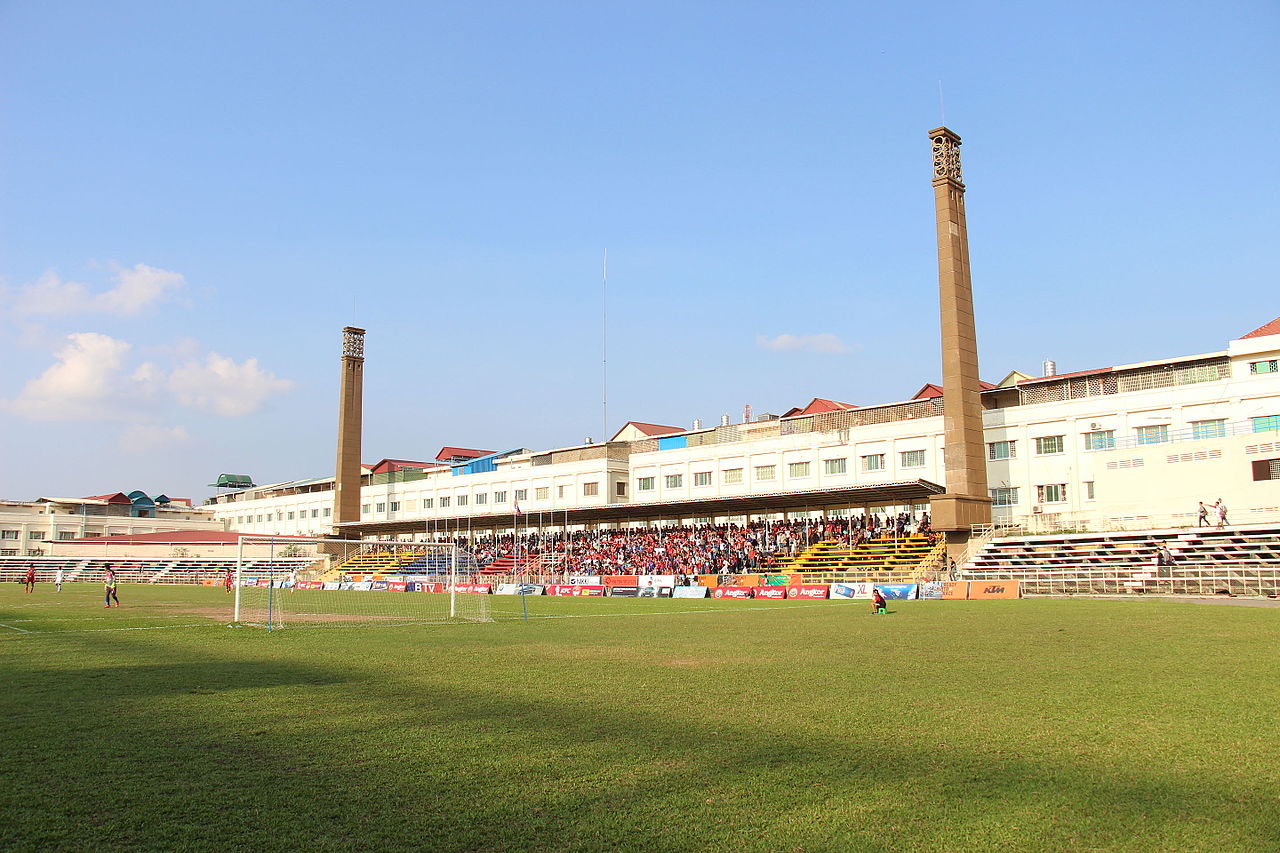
x: 356, y: 545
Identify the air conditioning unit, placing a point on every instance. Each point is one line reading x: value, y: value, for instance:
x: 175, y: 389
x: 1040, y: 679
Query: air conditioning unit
x: 1094, y: 426
x: 1036, y: 510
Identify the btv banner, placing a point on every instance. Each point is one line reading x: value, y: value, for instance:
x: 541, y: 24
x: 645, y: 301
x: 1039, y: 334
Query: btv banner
x: 808, y: 590
x: 851, y: 590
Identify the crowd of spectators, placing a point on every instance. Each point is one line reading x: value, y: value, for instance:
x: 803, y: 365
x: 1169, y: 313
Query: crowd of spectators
x: 688, y: 550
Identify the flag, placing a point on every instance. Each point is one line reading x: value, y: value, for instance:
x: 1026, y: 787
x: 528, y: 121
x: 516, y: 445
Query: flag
x: 518, y: 512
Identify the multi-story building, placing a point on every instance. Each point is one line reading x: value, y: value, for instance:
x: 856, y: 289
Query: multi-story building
x: 27, y: 527
x: 1136, y: 445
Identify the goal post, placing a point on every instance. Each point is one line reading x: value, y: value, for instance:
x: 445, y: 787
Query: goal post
x: 305, y: 581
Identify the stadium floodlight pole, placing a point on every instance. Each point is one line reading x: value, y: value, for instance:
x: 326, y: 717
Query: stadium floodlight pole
x: 235, y: 616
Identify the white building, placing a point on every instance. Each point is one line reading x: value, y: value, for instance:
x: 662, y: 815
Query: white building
x: 27, y: 527
x: 1131, y: 446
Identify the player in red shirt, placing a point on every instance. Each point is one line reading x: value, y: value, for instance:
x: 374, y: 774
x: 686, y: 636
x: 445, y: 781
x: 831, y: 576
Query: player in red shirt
x: 30, y: 583
x: 226, y: 581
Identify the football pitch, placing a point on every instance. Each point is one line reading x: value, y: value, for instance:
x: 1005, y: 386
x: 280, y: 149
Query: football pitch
x: 635, y: 724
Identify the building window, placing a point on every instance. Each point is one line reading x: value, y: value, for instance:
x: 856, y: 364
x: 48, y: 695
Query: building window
x: 835, y: 466
x: 1088, y: 489
x: 395, y: 506
x: 1100, y: 439
x: 9, y: 552
x: 1050, y: 444
x: 1266, y: 469
x: 798, y: 469
x: 1052, y: 494
x: 482, y: 498
x: 644, y: 484
x: 499, y: 497
x: 702, y: 478
x: 731, y: 476
x: 444, y: 503
x: 1266, y: 423
x: 64, y: 535
x: 873, y: 462
x: 35, y: 534
x: 279, y: 516
x: 1208, y: 429
x: 620, y: 488
x: 522, y: 495
x: 427, y: 503
x: 381, y: 508
x: 542, y: 493
x: 1153, y: 434
x: 259, y: 520
x: 364, y: 509
x: 673, y: 481
x: 1256, y: 367
x: 462, y: 500
x: 326, y: 512
x: 1004, y: 497
x: 590, y: 490
x: 912, y: 458
x: 559, y: 492
x: 1002, y: 450
x: 8, y: 534
x: 766, y: 472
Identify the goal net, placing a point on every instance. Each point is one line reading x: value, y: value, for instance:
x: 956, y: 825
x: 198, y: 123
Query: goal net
x: 300, y: 581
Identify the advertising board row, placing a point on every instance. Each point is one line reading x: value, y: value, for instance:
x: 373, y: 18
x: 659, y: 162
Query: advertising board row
x: 576, y: 588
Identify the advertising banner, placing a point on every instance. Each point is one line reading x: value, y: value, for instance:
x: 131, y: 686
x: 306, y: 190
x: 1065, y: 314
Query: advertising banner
x: 657, y: 580
x: 396, y: 586
x: 747, y: 580
x: 807, y: 590
x: 709, y: 580
x: 624, y: 591
x: 689, y: 592
x: 898, y: 591
x: 363, y: 586
x: 774, y: 592
x: 955, y: 589
x: 775, y: 580
x: 264, y: 582
x: 732, y: 592
x: 585, y: 580
x: 380, y: 585
x: 473, y: 588
x: 931, y: 589
x: 993, y: 589
x: 851, y: 590
x: 426, y: 586
x: 518, y: 589
x: 655, y: 591
x: 312, y: 585
x: 622, y: 580
x: 575, y: 590
x: 332, y: 585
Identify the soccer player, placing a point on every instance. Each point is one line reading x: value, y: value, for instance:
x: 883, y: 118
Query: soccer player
x: 57, y: 580
x: 109, y: 579
x: 30, y: 583
x: 226, y: 581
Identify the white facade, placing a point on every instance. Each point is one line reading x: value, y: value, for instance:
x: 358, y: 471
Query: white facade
x: 27, y: 527
x: 1130, y: 446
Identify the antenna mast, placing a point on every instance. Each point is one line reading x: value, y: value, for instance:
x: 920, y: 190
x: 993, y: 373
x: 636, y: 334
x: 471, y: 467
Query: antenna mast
x: 604, y: 357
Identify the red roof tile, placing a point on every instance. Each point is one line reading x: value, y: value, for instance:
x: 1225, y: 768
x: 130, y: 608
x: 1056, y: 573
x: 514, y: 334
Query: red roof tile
x: 447, y: 453
x: 653, y: 429
x: 1272, y: 328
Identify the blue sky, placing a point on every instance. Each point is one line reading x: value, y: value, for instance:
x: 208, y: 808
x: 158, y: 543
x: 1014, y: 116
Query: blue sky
x: 196, y: 197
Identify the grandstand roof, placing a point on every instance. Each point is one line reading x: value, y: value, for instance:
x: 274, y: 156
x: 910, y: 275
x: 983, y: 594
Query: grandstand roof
x: 1272, y: 328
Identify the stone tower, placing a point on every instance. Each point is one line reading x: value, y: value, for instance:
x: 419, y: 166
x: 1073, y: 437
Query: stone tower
x: 967, y: 501
x: 346, y: 490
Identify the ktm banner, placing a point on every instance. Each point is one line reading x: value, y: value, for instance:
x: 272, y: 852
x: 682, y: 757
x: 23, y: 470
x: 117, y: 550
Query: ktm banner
x: 955, y: 589
x: 571, y: 589
x: 732, y: 592
x: 993, y: 589
x: 807, y: 590
x: 774, y: 592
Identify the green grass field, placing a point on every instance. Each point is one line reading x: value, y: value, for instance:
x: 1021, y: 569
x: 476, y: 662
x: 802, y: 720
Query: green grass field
x: 641, y: 725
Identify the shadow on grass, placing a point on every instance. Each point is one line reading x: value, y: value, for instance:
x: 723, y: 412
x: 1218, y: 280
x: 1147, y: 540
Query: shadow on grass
x: 286, y: 755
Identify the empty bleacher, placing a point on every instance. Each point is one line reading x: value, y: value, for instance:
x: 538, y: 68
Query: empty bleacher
x: 1242, y: 560
x: 169, y: 570
x: 885, y: 559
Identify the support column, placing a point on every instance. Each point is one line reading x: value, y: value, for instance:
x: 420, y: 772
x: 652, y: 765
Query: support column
x: 967, y: 501
x: 346, y: 491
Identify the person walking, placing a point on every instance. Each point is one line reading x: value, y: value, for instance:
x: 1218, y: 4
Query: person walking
x: 109, y: 581
x: 1204, y: 515
x: 29, y: 582
x: 1222, y: 513
x: 57, y: 581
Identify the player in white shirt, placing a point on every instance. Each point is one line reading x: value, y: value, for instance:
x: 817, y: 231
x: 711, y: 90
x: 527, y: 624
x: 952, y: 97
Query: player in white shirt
x: 57, y: 581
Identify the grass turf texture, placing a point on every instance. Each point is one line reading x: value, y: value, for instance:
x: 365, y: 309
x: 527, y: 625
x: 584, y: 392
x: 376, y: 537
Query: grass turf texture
x: 644, y: 725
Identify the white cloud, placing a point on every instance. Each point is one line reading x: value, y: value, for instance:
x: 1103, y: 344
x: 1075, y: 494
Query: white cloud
x: 145, y: 438
x: 222, y: 386
x: 826, y: 343
x: 134, y: 289
x: 85, y: 382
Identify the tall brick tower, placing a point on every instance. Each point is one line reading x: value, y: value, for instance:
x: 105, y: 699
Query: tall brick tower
x: 967, y: 501
x: 346, y: 491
